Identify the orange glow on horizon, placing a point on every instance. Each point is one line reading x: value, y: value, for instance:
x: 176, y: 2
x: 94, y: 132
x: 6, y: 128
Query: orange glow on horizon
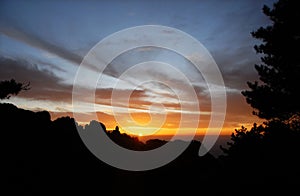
x: 139, y: 123
x: 169, y: 128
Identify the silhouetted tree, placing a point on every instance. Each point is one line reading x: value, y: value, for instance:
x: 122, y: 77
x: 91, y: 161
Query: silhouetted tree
x: 245, y: 142
x: 276, y: 99
x: 277, y: 95
x: 271, y: 151
x: 11, y: 87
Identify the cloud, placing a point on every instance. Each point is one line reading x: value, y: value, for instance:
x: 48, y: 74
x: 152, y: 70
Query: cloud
x: 44, y: 84
x: 37, y: 42
x: 237, y: 66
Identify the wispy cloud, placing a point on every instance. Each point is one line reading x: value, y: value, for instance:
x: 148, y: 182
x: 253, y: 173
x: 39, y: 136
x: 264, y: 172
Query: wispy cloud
x: 35, y: 41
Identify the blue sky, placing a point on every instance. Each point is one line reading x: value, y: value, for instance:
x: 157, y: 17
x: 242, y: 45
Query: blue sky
x: 44, y: 42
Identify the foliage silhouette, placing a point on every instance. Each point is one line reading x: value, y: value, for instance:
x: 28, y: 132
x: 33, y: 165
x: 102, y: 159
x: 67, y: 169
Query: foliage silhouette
x: 267, y: 156
x: 11, y: 87
x: 277, y: 96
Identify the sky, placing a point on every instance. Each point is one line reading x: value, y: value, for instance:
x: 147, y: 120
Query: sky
x: 44, y: 43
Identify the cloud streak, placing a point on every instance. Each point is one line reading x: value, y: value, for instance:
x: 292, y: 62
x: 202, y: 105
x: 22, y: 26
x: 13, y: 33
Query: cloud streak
x: 37, y: 42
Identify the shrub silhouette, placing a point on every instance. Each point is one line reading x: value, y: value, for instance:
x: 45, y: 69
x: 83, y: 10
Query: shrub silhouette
x: 11, y: 87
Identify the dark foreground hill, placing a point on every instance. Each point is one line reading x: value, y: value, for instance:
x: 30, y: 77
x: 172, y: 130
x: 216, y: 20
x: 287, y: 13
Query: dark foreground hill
x: 44, y: 157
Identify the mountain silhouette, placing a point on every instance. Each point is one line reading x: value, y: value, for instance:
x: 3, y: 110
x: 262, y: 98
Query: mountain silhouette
x: 42, y: 156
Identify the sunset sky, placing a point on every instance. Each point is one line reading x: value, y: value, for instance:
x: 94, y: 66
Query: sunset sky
x: 44, y: 42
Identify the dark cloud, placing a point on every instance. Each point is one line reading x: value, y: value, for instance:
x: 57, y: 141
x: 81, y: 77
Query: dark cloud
x: 237, y: 66
x: 44, y: 84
